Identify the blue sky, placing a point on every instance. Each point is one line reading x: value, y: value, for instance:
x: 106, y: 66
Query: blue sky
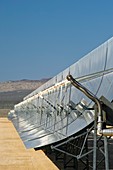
x: 40, y: 38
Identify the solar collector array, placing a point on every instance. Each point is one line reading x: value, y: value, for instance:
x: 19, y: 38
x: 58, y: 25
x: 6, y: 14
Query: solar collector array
x: 54, y: 111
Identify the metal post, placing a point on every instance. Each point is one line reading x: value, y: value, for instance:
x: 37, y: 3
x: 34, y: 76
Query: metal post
x: 95, y: 139
x: 95, y: 146
x: 106, y: 153
x: 87, y: 156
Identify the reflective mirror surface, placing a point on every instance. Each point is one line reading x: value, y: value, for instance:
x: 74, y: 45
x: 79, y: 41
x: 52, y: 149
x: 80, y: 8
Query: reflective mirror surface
x: 57, y: 110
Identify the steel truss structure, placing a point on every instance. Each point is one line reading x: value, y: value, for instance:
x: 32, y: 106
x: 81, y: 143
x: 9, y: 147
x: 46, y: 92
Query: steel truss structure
x: 87, y: 150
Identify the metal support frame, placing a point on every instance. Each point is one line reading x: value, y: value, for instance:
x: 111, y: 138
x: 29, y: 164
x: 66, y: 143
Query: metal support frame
x: 88, y: 149
x: 103, y: 147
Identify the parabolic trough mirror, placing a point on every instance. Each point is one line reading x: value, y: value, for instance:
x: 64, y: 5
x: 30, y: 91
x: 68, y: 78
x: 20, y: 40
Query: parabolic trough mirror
x: 57, y: 110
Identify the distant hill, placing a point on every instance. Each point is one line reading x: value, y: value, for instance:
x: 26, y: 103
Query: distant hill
x: 21, y: 85
x: 12, y: 92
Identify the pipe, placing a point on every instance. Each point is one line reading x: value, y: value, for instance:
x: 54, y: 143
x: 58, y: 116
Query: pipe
x: 105, y: 132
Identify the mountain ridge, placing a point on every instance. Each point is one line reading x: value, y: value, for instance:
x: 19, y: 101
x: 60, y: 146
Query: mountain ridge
x: 13, y: 92
x: 23, y: 84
